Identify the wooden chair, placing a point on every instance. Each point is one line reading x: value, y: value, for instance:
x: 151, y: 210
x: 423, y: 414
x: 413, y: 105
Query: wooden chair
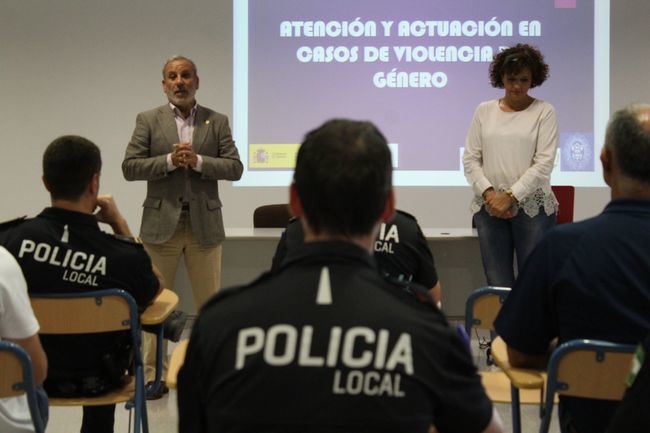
x: 588, y: 369
x: 17, y: 378
x: 481, y: 309
x: 97, y: 312
x: 271, y: 216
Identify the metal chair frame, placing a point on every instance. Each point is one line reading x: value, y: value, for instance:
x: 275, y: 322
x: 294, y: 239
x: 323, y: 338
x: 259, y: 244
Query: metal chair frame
x: 20, y: 377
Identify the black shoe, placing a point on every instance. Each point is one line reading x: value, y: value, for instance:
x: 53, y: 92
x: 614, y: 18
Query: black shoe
x: 157, y: 394
x: 174, y: 325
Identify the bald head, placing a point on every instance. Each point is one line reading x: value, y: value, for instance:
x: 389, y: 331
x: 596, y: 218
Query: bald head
x: 176, y: 58
x: 628, y: 140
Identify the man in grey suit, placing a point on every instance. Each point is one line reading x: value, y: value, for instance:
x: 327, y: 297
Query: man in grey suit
x: 182, y: 150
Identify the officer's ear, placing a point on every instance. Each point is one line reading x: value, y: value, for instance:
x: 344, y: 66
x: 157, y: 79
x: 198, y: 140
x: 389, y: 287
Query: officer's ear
x: 93, y: 186
x: 389, y: 208
x: 606, y: 159
x: 295, y: 206
x: 47, y: 187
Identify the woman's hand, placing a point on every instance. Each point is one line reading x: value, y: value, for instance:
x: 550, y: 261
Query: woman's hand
x: 499, y: 204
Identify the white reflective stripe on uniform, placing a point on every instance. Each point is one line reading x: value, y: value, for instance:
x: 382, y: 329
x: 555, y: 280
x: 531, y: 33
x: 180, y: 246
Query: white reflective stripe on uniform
x: 324, y: 295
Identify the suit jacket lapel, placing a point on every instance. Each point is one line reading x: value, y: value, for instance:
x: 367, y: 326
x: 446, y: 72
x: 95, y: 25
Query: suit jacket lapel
x: 168, y: 125
x: 201, y: 126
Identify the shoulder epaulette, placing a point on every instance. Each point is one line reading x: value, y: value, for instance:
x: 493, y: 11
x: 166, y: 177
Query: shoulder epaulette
x: 6, y: 225
x: 406, y: 214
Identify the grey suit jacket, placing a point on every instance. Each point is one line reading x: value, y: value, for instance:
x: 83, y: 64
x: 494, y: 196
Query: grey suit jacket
x: 146, y: 159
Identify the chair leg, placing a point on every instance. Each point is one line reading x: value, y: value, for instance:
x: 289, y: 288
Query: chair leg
x: 145, y: 417
x: 546, y: 412
x: 140, y: 402
x: 137, y: 416
x: 515, y: 407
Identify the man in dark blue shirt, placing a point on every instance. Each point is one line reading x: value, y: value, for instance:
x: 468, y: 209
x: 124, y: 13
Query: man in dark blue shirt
x: 590, y: 279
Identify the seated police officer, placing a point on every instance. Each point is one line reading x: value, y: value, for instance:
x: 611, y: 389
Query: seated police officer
x: 401, y: 251
x: 63, y: 250
x: 327, y: 344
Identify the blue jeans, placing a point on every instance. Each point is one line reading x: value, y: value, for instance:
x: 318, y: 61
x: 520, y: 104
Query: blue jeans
x: 500, y: 239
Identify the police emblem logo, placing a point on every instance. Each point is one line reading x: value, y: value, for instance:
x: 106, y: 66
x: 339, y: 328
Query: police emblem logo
x: 576, y: 152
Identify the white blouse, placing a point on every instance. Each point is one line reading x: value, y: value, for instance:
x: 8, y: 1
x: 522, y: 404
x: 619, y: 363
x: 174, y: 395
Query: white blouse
x: 513, y: 150
x: 17, y: 321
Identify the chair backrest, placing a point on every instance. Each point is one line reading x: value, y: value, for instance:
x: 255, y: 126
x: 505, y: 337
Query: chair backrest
x: 482, y: 307
x: 90, y: 312
x: 17, y: 378
x: 95, y: 312
x: 84, y: 313
x: 588, y: 369
x: 565, y: 195
x: 271, y: 216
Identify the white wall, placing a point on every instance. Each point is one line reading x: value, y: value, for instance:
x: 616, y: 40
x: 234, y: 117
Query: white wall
x: 88, y: 66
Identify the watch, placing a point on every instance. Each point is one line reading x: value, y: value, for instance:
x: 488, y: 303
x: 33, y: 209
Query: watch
x: 511, y: 195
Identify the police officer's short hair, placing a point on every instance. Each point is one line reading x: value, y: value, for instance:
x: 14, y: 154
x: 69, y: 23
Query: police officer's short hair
x: 343, y: 176
x: 628, y: 137
x: 69, y: 163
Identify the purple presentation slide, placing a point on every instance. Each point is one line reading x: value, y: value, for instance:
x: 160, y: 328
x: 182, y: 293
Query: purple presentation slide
x: 417, y: 68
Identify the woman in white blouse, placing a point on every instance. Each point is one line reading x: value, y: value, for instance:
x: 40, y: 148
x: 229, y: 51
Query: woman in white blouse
x: 509, y: 154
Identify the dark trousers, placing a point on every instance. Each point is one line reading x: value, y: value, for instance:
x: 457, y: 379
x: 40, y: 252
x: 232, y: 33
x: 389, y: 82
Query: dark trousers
x: 98, y: 419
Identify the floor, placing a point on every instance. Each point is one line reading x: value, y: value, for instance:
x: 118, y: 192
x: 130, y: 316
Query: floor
x: 163, y: 414
x: 163, y: 418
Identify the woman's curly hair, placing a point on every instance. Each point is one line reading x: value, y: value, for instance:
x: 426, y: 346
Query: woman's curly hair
x: 512, y: 60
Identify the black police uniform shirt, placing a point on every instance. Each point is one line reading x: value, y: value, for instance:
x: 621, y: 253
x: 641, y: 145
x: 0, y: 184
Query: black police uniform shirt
x: 400, y: 249
x: 327, y: 344
x: 62, y: 251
